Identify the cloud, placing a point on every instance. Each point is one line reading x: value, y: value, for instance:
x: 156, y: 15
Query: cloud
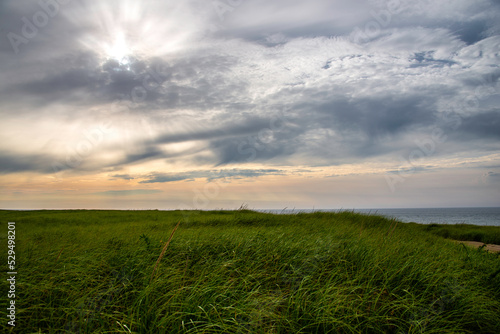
x: 484, y: 125
x: 211, y: 175
x: 209, y: 99
x: 134, y: 192
x: 422, y: 59
x: 493, y: 176
x: 123, y: 177
x: 12, y: 162
x: 405, y: 171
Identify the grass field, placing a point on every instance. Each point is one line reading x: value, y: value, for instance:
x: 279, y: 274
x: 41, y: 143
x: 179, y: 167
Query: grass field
x: 247, y: 272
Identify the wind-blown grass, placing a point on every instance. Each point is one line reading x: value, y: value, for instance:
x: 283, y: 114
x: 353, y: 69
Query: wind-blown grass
x: 246, y: 272
x: 486, y: 234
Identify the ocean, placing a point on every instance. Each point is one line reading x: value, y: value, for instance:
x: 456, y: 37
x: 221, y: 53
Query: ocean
x: 475, y: 216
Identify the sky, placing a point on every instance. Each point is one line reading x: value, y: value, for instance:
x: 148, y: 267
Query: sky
x: 273, y: 104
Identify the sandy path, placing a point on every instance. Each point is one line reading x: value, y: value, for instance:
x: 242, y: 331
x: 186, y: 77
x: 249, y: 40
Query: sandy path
x: 489, y: 247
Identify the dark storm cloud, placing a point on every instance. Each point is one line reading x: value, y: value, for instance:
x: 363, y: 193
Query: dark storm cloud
x: 377, y: 116
x: 38, y: 28
x: 248, y: 149
x: 197, y: 83
x: 83, y: 80
x: 362, y: 129
x: 484, y: 125
x: 470, y: 32
x: 12, y: 162
x: 228, y: 129
x: 275, y: 137
x: 62, y: 83
x: 362, y: 125
x: 236, y: 139
x: 144, y: 154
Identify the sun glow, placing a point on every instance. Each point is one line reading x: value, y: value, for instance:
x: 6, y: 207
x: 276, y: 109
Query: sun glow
x: 119, y: 50
x: 127, y: 29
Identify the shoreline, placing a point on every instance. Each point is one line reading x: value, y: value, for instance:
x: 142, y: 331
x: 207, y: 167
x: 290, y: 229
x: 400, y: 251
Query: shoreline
x: 476, y: 244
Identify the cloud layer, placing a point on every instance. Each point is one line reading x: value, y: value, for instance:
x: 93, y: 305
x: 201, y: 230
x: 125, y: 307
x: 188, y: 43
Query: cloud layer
x: 161, y: 92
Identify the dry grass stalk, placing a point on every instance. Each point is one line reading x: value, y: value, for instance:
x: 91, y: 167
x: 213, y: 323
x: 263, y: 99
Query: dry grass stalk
x: 394, y: 224
x: 59, y: 255
x: 164, y: 249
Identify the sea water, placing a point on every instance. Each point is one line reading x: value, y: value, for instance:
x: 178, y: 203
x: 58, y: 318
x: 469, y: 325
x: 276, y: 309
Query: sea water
x: 475, y: 216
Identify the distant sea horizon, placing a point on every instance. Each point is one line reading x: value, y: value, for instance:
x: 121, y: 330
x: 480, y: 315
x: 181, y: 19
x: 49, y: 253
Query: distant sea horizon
x: 474, y: 215
x: 489, y: 216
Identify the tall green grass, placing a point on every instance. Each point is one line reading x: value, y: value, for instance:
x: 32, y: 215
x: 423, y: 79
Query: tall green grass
x: 486, y: 234
x: 245, y: 272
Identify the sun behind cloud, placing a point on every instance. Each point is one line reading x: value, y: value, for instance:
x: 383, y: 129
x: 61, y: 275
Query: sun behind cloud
x: 125, y: 30
x: 119, y: 50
